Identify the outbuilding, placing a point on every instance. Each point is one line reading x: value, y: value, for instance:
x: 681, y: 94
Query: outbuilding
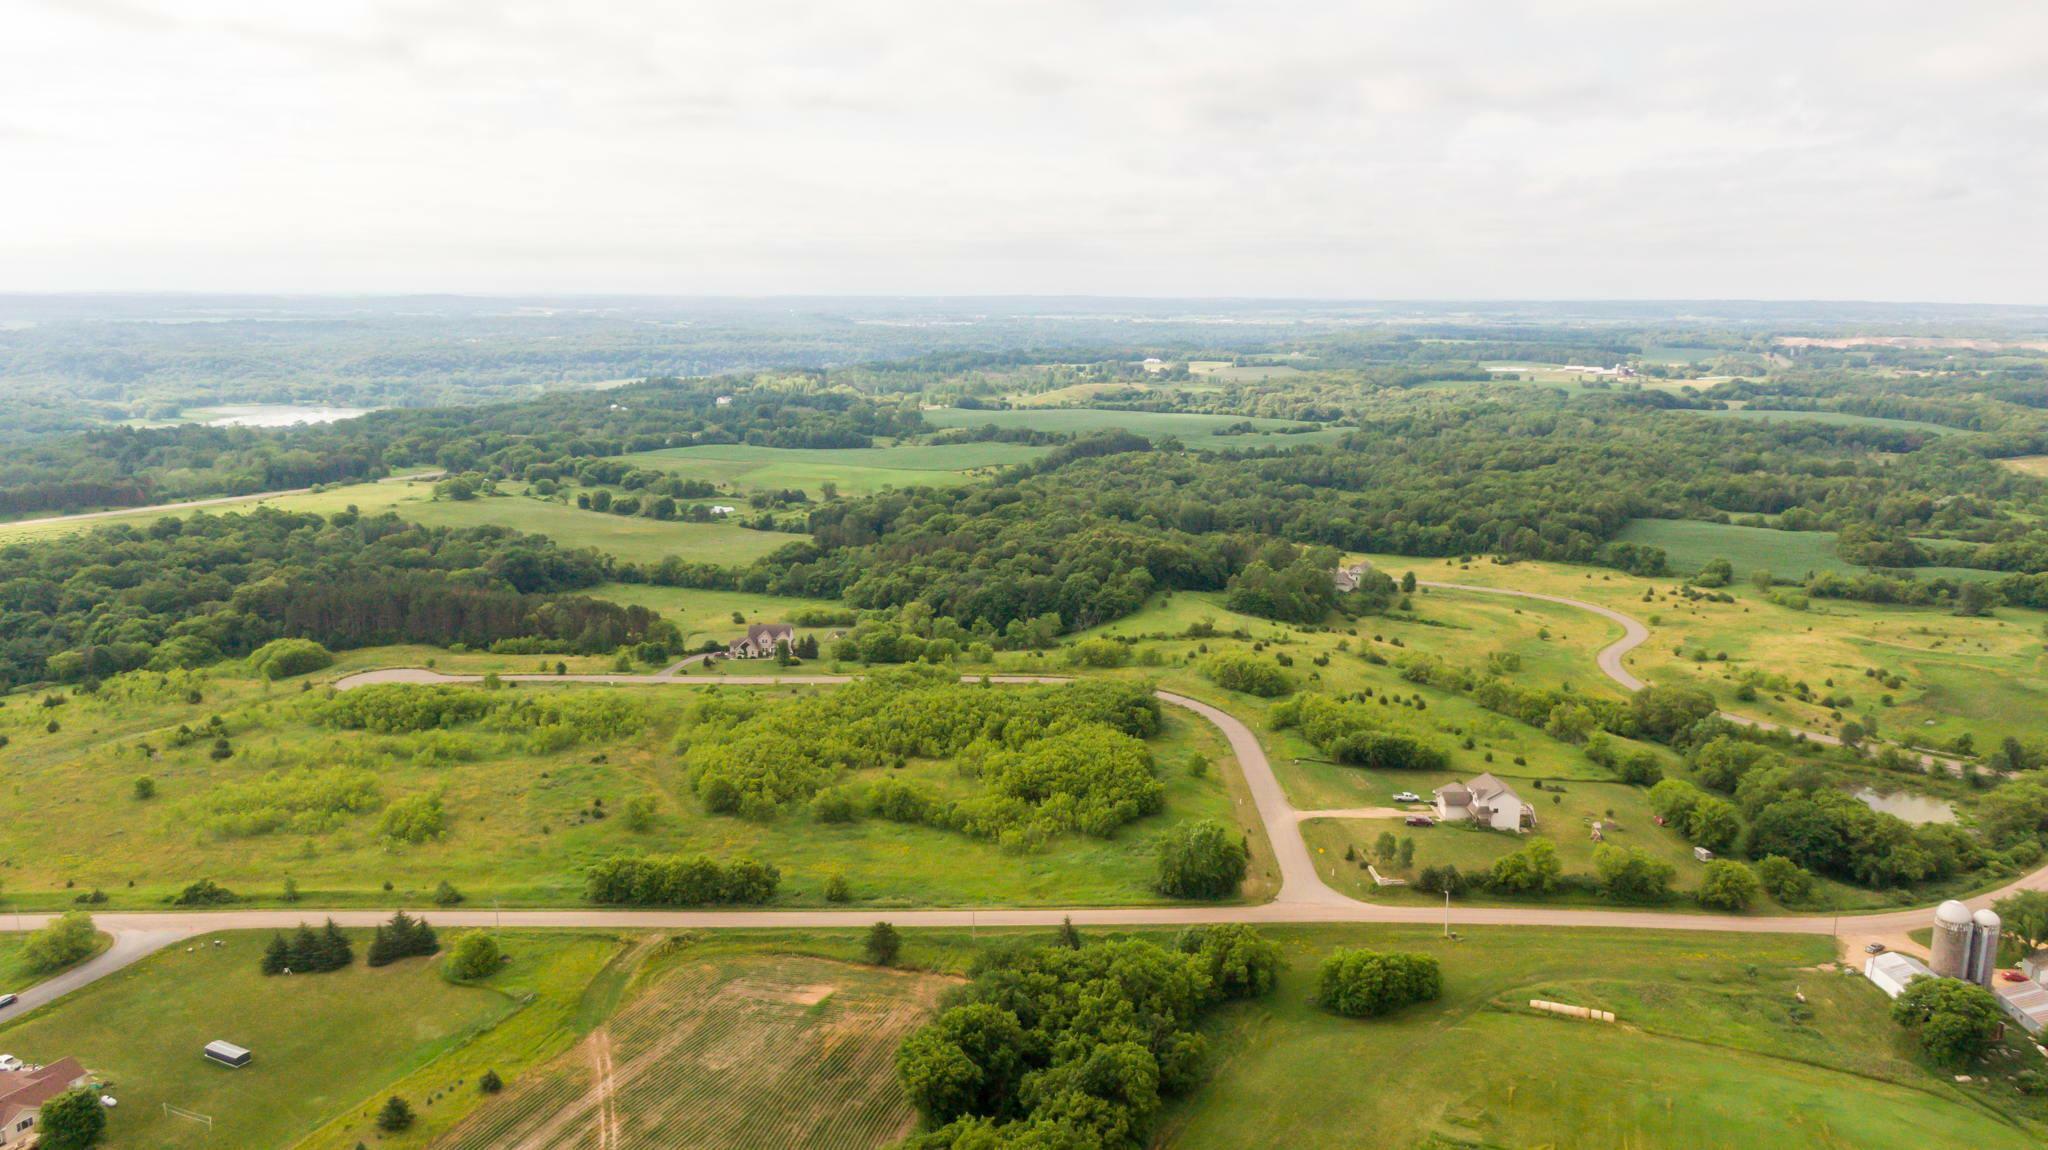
x: 1891, y: 971
x: 227, y: 1053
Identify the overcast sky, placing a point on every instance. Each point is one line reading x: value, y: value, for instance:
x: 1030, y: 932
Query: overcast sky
x: 1350, y: 149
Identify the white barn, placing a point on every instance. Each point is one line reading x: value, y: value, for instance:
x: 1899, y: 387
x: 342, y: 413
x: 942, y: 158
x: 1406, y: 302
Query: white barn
x: 1891, y: 971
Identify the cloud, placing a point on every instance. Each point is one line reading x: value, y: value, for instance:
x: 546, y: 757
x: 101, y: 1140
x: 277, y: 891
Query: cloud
x: 1401, y: 149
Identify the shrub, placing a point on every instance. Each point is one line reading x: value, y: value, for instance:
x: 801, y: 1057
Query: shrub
x: 476, y: 955
x: 1200, y: 859
x: 445, y: 894
x: 1366, y: 983
x: 205, y: 892
x: 1786, y: 880
x: 68, y: 939
x: 1237, y: 671
x: 490, y: 1083
x: 837, y: 889
x: 284, y: 658
x: 1630, y: 874
x: 1532, y: 870
x: 417, y: 819
x: 1728, y: 885
x: 676, y: 880
x: 882, y: 945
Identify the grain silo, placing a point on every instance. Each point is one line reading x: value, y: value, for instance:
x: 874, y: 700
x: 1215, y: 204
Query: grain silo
x: 1954, y: 932
x: 1984, y: 947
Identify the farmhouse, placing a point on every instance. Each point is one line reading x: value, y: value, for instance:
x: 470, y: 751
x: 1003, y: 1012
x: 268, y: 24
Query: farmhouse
x: 1484, y: 800
x: 23, y: 1092
x: 760, y: 641
x: 1348, y: 578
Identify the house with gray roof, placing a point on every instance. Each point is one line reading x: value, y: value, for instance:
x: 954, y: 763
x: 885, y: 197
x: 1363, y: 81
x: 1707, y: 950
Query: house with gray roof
x: 1485, y: 800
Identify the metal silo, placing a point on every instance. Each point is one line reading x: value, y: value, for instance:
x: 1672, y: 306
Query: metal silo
x: 1954, y: 931
x: 1984, y: 947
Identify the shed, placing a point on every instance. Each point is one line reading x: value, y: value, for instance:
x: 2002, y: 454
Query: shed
x: 227, y: 1053
x: 1891, y: 971
x: 1703, y: 854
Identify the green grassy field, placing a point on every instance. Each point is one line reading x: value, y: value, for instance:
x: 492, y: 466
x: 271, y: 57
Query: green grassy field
x: 1689, y: 544
x: 1195, y: 430
x: 1835, y: 418
x: 1983, y: 676
x: 2035, y: 465
x: 523, y: 821
x: 1709, y: 1052
x: 632, y: 538
x: 323, y: 1043
x: 855, y: 471
x: 706, y: 614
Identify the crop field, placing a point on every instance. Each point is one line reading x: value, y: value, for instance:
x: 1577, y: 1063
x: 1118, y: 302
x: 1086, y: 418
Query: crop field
x: 1195, y: 430
x: 141, y: 1031
x: 522, y: 820
x: 752, y: 1051
x: 1711, y: 1050
x: 854, y: 471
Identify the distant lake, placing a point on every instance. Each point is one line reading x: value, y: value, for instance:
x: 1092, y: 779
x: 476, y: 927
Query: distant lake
x: 272, y: 414
x: 1907, y: 805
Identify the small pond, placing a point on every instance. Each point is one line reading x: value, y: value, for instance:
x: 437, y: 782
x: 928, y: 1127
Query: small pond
x: 1907, y: 805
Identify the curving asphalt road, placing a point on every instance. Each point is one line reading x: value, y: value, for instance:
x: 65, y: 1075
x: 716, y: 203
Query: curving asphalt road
x: 1303, y: 896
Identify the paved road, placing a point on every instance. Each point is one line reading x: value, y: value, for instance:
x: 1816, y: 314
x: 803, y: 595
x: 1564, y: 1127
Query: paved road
x: 191, y: 504
x: 1303, y: 896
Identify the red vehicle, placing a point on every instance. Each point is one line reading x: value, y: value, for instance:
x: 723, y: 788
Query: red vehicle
x: 1421, y: 821
x: 2012, y: 976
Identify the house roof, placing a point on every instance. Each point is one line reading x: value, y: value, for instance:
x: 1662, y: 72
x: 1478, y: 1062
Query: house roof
x: 770, y: 632
x: 1456, y: 794
x: 1486, y: 788
x: 26, y: 1090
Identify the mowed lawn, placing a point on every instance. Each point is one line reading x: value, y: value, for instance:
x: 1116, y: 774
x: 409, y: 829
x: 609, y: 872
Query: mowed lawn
x: 853, y: 471
x: 322, y: 1042
x: 1709, y: 1053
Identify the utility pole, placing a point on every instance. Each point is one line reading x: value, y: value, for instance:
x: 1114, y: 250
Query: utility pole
x: 1447, y: 914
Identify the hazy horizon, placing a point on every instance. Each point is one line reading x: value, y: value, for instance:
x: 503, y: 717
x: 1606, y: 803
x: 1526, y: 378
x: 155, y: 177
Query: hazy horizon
x: 1563, y: 152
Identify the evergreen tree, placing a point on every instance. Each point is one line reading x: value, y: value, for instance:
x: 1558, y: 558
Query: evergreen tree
x: 304, y: 954
x: 335, y: 951
x: 883, y: 944
x: 395, y: 1116
x: 1069, y: 937
x: 277, y: 956
x: 490, y: 1083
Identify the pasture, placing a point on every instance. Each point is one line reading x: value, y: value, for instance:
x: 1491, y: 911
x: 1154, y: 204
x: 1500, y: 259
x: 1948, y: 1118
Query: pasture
x: 1195, y: 430
x: 2035, y: 465
x: 1830, y: 418
x: 1711, y: 1050
x: 853, y: 471
x: 1788, y: 555
x: 631, y: 538
x: 708, y: 614
x: 323, y: 1043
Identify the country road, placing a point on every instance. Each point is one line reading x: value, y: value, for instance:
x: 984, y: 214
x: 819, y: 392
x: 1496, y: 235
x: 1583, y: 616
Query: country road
x: 1303, y: 896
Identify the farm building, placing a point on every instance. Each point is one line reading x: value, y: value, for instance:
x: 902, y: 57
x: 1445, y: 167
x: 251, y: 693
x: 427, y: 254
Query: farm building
x: 2026, y: 1002
x: 760, y: 641
x: 23, y: 1092
x: 1484, y: 800
x: 1348, y: 578
x: 227, y: 1053
x: 1891, y: 971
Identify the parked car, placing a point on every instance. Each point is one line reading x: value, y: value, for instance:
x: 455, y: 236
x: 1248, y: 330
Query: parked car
x: 1874, y: 948
x: 1407, y: 797
x: 7, y: 1000
x: 9, y: 1062
x: 107, y: 1100
x: 2012, y: 976
x: 1421, y: 821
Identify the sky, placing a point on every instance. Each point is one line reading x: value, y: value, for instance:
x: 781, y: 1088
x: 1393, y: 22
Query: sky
x: 1363, y: 150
